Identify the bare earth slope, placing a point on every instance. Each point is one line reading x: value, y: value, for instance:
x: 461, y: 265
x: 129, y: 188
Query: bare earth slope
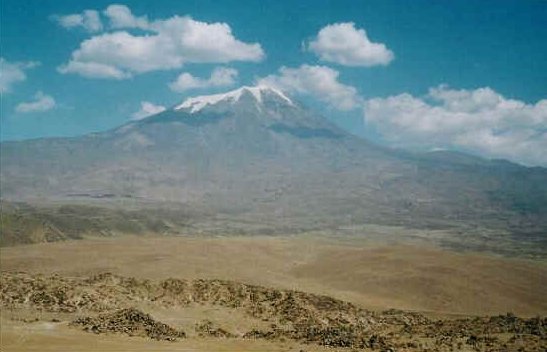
x: 286, y: 293
x: 377, y: 276
x: 290, y: 315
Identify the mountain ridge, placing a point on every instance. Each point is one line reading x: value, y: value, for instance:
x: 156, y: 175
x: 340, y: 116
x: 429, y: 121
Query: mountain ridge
x: 198, y: 102
x: 260, y: 158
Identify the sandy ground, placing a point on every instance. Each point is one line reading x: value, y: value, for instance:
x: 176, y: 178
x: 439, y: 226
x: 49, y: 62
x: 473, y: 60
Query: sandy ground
x: 374, y: 276
x: 47, y: 336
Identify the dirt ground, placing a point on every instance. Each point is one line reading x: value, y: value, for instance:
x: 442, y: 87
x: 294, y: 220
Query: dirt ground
x: 375, y: 276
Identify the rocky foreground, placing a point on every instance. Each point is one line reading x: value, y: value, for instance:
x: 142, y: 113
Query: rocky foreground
x: 129, y: 321
x: 106, y: 303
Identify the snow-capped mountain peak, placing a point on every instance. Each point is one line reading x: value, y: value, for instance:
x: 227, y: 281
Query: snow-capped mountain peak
x: 195, y: 104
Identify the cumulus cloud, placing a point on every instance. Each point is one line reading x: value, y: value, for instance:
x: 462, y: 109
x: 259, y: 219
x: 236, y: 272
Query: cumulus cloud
x: 220, y: 77
x: 147, y: 109
x: 41, y: 103
x: 120, y: 16
x: 320, y: 82
x: 344, y: 44
x: 88, y: 20
x: 480, y: 121
x: 166, y: 44
x: 13, y: 72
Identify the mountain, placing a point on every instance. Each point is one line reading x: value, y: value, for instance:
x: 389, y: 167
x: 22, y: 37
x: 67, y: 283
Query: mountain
x: 255, y: 159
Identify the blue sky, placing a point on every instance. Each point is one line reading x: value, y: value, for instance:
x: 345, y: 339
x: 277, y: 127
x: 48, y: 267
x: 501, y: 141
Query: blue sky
x: 463, y: 75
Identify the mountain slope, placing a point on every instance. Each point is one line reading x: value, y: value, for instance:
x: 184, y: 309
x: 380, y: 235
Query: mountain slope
x: 255, y: 155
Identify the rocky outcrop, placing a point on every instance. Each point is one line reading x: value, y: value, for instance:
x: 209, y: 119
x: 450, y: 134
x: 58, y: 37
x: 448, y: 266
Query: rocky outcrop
x: 288, y: 314
x: 208, y: 328
x: 131, y: 322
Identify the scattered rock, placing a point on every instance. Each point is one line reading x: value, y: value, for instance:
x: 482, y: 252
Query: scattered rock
x: 131, y: 322
x: 293, y: 315
x: 207, y: 328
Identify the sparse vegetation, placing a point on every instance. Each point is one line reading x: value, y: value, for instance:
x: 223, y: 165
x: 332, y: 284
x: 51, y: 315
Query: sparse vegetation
x: 292, y: 315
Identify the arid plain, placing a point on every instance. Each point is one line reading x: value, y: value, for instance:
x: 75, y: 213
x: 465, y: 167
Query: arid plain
x: 376, y: 276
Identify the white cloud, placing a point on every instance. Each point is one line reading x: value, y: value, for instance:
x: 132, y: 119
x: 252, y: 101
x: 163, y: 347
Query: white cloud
x: 167, y: 44
x: 93, y: 70
x: 320, y: 82
x: 480, y: 121
x: 13, y: 72
x: 120, y: 16
x: 147, y: 109
x: 88, y: 19
x: 343, y: 44
x: 120, y: 54
x: 41, y: 103
x: 220, y: 77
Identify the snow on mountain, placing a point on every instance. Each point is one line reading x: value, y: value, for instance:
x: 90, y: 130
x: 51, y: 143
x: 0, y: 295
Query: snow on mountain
x: 253, y: 161
x: 195, y: 104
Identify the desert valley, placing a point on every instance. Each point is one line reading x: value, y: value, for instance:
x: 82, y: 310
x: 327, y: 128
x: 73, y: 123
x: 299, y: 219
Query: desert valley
x: 259, y: 217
